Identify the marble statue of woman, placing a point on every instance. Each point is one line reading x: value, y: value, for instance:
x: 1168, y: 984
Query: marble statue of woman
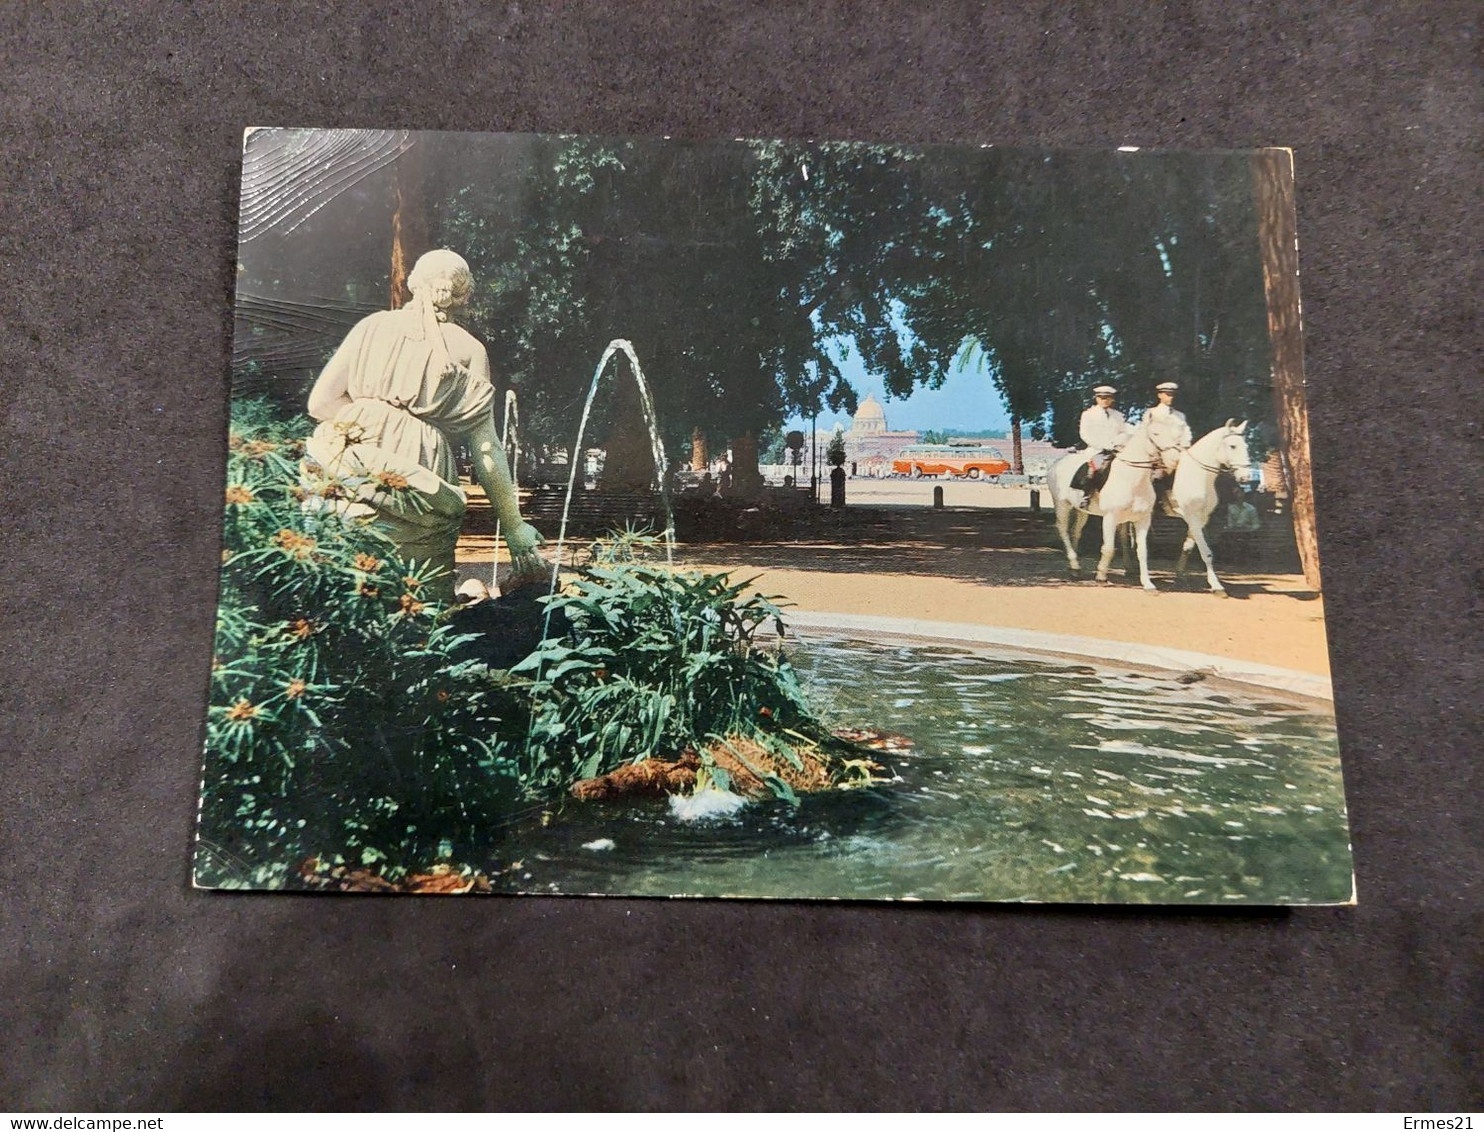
x: 404, y: 388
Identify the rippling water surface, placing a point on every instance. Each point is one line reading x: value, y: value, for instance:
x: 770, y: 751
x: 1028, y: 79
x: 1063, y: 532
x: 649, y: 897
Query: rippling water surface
x: 1031, y: 780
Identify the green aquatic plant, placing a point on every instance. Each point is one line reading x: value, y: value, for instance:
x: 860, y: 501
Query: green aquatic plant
x: 658, y: 663
x: 348, y: 728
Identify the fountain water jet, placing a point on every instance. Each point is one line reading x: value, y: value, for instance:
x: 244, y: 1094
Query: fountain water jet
x: 510, y: 439
x: 657, y: 448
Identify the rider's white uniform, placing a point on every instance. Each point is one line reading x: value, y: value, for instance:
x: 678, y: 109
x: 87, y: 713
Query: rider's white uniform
x: 1103, y: 430
x: 1168, y: 427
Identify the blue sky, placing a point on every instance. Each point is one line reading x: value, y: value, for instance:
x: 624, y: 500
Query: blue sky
x: 966, y: 402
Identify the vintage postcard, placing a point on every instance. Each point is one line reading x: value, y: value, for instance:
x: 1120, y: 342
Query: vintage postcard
x: 769, y: 519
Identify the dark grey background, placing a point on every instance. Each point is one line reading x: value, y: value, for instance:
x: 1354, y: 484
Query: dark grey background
x: 120, y: 129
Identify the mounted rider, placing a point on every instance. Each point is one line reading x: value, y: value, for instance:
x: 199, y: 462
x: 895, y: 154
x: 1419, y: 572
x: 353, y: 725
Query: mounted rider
x: 1171, y: 434
x: 1167, y: 425
x: 1104, y: 430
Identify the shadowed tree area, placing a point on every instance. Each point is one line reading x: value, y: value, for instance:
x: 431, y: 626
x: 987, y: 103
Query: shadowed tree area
x: 743, y: 272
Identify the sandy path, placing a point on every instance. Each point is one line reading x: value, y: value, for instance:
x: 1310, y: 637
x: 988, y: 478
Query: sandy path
x: 963, y: 565
x: 1277, y: 622
x: 1271, y: 627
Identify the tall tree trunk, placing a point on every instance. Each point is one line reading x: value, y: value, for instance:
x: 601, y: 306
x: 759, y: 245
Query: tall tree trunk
x: 1277, y: 231
x: 409, y: 222
x: 1017, y: 456
x: 699, y: 457
x: 746, y: 478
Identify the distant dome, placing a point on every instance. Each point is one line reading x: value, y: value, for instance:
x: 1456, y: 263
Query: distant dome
x: 870, y: 417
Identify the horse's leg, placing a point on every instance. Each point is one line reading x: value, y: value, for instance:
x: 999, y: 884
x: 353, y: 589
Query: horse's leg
x: 1063, y: 516
x: 1185, y: 550
x: 1127, y: 532
x: 1198, y: 533
x: 1141, y: 535
x: 1110, y: 544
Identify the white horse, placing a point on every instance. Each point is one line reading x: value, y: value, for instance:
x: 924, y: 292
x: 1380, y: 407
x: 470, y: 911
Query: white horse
x: 1126, y: 497
x: 1193, y: 494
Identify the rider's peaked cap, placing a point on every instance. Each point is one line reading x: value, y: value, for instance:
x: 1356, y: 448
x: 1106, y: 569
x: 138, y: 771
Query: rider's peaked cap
x: 1166, y: 387
x: 1104, y: 391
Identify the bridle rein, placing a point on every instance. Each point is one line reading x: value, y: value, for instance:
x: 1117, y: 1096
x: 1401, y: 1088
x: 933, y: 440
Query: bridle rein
x: 1221, y: 465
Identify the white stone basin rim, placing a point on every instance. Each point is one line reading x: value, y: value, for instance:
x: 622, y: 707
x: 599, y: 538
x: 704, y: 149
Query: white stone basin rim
x: 1085, y: 649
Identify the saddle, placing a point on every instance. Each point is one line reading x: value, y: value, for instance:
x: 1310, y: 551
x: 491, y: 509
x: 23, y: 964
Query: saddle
x: 1091, y: 475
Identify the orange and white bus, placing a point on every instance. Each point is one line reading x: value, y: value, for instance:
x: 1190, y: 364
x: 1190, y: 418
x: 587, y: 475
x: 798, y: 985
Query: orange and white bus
x: 962, y: 461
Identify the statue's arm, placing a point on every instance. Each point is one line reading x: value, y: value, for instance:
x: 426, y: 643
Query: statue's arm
x: 493, y: 474
x: 331, y: 392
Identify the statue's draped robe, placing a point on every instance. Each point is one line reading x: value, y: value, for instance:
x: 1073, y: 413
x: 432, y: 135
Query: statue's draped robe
x: 412, y: 399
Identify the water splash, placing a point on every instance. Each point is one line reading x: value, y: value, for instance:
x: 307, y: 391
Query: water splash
x: 710, y: 804
x: 657, y: 449
x: 510, y: 439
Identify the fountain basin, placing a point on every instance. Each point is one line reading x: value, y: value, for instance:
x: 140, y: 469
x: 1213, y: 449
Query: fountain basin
x: 1031, y: 779
x: 1076, y: 648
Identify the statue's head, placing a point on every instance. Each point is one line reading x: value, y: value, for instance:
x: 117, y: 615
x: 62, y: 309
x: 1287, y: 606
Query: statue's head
x: 443, y: 277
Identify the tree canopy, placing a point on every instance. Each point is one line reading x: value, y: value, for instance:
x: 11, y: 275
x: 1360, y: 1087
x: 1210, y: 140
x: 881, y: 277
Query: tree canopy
x: 742, y: 271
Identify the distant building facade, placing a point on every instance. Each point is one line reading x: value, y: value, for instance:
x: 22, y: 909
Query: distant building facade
x: 869, y: 444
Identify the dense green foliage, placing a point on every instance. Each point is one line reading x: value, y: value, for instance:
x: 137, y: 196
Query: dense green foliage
x: 745, y: 272
x: 945, y: 435
x: 346, y: 725
x: 834, y: 451
x: 341, y: 721
x: 661, y: 662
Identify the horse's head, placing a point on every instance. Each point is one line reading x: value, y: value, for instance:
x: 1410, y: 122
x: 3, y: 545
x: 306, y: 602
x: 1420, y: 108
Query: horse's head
x: 1141, y: 447
x: 1234, y: 456
x: 1168, y: 455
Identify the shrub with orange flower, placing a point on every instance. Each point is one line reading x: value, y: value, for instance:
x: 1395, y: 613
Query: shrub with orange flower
x: 294, y: 543
x: 395, y: 481
x: 242, y: 711
x: 257, y: 449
